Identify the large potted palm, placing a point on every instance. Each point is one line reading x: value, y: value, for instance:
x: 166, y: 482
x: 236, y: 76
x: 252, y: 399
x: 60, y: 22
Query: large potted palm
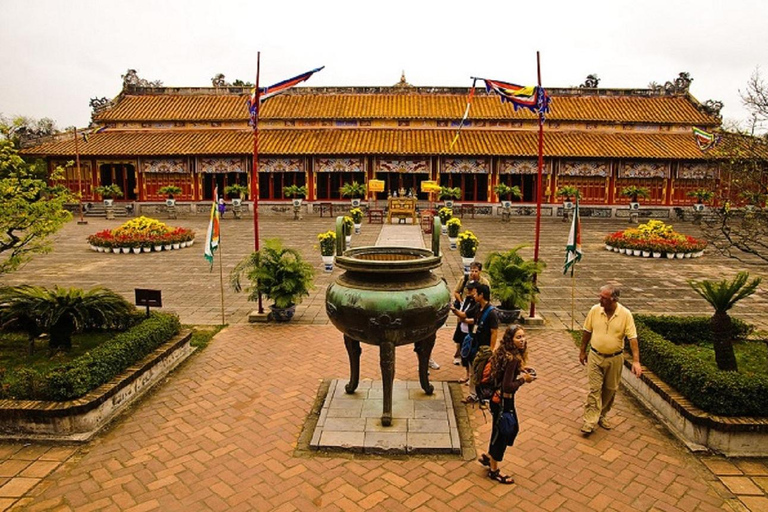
x: 295, y: 192
x: 448, y: 194
x: 355, y: 191
x: 512, y: 284
x: 237, y: 192
x: 109, y: 193
x: 507, y: 193
x: 634, y: 193
x: 701, y: 195
x: 722, y: 295
x: 280, y: 273
x: 171, y: 191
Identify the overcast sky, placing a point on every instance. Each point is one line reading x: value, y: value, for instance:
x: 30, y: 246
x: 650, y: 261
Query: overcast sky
x: 58, y: 54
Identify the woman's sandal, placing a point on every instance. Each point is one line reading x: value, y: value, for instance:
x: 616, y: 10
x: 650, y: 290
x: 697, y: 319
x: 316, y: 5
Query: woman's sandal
x: 502, y: 479
x: 485, y: 460
x: 463, y: 381
x: 471, y: 399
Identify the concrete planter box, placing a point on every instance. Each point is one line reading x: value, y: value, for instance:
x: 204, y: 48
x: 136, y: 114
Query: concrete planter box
x: 698, y: 430
x: 81, y: 419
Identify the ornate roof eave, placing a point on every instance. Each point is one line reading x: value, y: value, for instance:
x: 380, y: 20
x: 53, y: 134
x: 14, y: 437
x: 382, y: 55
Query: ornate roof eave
x: 326, y: 142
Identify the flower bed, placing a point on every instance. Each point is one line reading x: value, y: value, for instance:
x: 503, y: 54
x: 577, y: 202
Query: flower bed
x: 141, y: 235
x: 655, y: 239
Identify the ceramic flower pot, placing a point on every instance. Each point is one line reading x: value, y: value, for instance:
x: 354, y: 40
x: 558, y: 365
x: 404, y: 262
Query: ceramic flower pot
x: 637, y: 252
x: 688, y: 254
x: 670, y: 255
x: 167, y: 247
x: 467, y: 262
x: 126, y: 250
x: 328, y: 263
x: 679, y: 255
x: 189, y: 243
x: 177, y: 246
x: 452, y: 241
x: 357, y: 228
x: 146, y: 249
x: 444, y: 230
x: 158, y: 248
x: 136, y: 250
x: 656, y: 254
x: 646, y: 254
x: 608, y: 247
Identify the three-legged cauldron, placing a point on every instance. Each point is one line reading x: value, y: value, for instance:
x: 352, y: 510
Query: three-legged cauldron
x: 388, y: 297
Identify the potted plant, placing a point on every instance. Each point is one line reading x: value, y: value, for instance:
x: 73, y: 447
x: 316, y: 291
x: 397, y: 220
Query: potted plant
x: 568, y: 193
x: 506, y: 193
x: 445, y: 215
x: 512, y: 284
x: 170, y: 191
x: 349, y: 224
x: 448, y: 194
x: 279, y: 273
x: 701, y: 195
x: 468, y: 243
x: 633, y: 193
x: 355, y: 191
x: 296, y: 193
x: 453, y: 231
x: 327, y: 248
x: 237, y: 193
x: 357, y: 218
x: 109, y: 193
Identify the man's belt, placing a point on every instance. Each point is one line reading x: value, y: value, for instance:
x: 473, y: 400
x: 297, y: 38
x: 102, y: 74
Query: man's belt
x: 607, y: 355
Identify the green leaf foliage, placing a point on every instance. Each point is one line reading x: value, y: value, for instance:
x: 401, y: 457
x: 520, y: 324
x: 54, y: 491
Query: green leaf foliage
x: 278, y: 272
x: 722, y: 295
x: 690, y: 330
x: 30, y: 210
x: 724, y: 393
x: 511, y: 278
x: 89, y: 371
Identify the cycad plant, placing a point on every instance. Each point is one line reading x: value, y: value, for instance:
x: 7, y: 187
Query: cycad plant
x: 722, y: 295
x: 512, y: 278
x: 61, y: 312
x: 278, y: 272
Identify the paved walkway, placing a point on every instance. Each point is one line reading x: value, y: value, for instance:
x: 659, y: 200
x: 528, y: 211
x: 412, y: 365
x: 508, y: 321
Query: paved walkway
x: 221, y: 434
x: 192, y: 290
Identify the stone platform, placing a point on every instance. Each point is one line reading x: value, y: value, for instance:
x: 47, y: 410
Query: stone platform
x: 421, y: 423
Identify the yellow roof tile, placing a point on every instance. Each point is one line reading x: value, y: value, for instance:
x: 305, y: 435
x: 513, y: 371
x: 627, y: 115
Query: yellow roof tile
x: 332, y: 141
x: 231, y: 107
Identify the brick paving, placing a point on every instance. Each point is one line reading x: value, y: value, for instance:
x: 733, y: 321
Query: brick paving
x: 222, y: 432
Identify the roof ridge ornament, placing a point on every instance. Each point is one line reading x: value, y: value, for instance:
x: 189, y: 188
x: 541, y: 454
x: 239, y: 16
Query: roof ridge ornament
x: 132, y: 80
x: 402, y: 82
x: 591, y: 82
x: 218, y: 80
x: 713, y: 108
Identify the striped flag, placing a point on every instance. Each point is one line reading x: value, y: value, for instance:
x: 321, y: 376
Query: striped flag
x: 573, y: 249
x: 265, y: 93
x: 466, y: 113
x: 212, y: 239
x: 533, y: 98
x: 705, y: 140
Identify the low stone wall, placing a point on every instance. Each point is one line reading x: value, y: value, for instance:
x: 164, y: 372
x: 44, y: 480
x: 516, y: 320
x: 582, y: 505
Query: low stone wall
x: 79, y: 420
x: 698, y: 430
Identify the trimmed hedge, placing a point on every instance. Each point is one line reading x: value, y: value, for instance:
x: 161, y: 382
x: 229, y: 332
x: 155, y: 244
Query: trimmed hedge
x: 714, y: 391
x: 690, y: 330
x: 89, y: 371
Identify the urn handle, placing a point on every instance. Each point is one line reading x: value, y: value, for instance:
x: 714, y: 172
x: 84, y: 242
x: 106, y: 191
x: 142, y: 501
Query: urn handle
x: 437, y: 225
x: 341, y: 240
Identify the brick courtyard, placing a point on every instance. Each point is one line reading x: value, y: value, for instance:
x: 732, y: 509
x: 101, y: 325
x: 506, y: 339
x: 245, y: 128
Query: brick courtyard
x: 222, y: 433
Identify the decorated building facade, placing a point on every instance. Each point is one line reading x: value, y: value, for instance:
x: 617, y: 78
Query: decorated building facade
x: 599, y: 140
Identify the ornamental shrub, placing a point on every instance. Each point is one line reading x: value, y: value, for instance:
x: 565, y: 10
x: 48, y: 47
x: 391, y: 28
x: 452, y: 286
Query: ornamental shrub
x: 89, y: 371
x: 711, y: 390
x: 690, y: 330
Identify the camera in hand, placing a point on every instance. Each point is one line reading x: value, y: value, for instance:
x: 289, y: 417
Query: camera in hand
x: 530, y: 371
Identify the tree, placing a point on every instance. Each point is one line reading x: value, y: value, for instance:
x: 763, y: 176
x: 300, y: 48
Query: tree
x: 20, y: 130
x: 722, y: 295
x: 30, y: 210
x: 755, y: 97
x: 61, y: 312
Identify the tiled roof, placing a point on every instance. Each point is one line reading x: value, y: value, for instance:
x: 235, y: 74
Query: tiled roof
x: 380, y: 142
x: 231, y: 107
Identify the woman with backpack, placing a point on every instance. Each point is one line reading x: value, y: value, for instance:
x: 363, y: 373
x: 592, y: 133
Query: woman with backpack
x: 508, y: 372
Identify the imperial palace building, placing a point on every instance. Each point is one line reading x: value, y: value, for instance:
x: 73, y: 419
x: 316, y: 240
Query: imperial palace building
x: 599, y: 140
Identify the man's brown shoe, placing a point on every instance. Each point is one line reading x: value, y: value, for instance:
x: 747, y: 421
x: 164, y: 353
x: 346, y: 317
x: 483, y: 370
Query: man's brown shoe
x: 605, y: 423
x: 587, y: 429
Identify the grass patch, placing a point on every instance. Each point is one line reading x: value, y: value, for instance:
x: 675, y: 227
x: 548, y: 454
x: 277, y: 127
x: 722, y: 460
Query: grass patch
x: 203, y: 334
x: 14, y: 350
x: 751, y: 356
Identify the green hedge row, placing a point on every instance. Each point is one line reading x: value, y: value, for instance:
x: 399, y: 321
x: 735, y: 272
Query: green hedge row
x: 92, y: 369
x: 690, y: 330
x: 714, y: 391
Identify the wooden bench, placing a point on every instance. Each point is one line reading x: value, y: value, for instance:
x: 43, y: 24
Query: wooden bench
x: 401, y: 208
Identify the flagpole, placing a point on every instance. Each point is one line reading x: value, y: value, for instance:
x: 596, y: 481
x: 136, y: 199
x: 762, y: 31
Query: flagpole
x: 573, y: 288
x: 532, y: 313
x: 255, y: 170
x: 79, y: 178
x: 221, y: 279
